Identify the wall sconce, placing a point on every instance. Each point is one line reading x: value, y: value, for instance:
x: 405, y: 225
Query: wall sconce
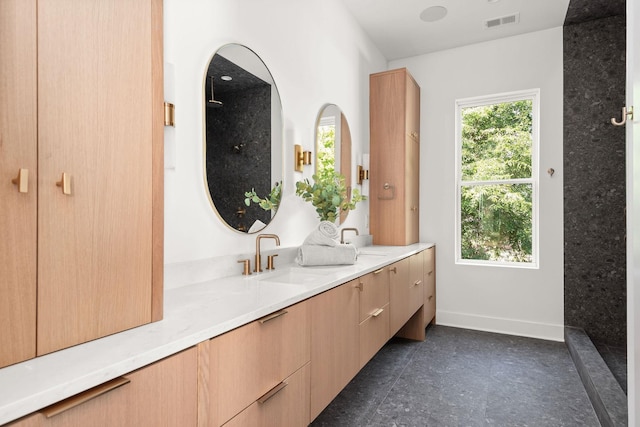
x: 300, y: 158
x: 169, y: 114
x: 362, y: 174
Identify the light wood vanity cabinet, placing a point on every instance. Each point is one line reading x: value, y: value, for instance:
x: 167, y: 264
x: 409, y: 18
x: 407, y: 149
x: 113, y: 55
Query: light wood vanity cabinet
x: 335, y: 343
x: 251, y: 365
x: 429, y: 285
x: 87, y: 171
x: 394, y: 108
x: 161, y: 394
x: 374, y: 313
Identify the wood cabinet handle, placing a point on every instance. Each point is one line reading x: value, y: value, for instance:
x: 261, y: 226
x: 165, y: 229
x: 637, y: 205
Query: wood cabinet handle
x: 65, y: 183
x: 377, y: 313
x: 272, y: 316
x: 378, y: 271
x: 417, y: 283
x: 22, y: 180
x: 268, y: 395
x: 78, y: 399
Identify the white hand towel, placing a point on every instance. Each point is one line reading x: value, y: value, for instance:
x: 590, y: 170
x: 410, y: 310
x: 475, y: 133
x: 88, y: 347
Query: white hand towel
x: 341, y: 254
x: 324, y: 235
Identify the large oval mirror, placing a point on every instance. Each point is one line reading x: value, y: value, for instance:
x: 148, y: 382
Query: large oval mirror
x: 243, y: 139
x: 333, y: 146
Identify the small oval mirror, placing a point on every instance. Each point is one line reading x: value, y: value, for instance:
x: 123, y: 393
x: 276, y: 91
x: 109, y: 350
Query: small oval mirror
x: 333, y: 146
x: 243, y: 139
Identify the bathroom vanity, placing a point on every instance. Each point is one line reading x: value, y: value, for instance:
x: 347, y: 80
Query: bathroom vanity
x: 233, y: 350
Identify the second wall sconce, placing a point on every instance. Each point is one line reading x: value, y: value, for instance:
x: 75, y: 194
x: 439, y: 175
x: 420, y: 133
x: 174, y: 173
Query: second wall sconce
x: 300, y: 158
x: 362, y: 174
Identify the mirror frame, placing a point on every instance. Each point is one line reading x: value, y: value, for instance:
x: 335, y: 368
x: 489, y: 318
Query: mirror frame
x: 277, y: 139
x: 345, y: 154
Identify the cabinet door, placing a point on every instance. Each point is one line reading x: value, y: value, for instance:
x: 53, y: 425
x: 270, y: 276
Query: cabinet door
x: 412, y: 161
x: 429, y: 285
x: 18, y: 210
x: 99, y: 105
x: 334, y: 343
x: 399, y: 295
x: 247, y: 362
x: 285, y: 405
x: 161, y: 394
x: 374, y: 292
x: 374, y: 333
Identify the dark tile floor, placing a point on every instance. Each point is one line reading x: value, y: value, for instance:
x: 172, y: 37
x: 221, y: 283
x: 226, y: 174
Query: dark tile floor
x: 459, y: 377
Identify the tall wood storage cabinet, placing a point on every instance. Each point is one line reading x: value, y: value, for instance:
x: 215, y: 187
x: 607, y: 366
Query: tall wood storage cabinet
x: 394, y: 108
x: 81, y: 183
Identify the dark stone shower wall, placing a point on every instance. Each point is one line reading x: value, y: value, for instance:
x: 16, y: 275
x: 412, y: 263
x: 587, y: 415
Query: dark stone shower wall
x: 239, y: 154
x: 594, y: 179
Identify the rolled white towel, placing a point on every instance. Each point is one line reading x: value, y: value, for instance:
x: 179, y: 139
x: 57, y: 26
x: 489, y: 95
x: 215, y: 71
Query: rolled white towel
x: 341, y: 254
x: 325, y: 234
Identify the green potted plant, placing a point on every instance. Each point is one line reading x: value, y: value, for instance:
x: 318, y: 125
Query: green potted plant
x: 328, y: 194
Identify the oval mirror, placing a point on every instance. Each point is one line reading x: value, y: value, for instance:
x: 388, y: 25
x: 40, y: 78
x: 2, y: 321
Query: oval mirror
x: 333, y: 146
x: 243, y: 139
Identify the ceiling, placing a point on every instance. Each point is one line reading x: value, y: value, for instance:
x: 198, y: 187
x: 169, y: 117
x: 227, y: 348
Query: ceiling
x: 396, y: 28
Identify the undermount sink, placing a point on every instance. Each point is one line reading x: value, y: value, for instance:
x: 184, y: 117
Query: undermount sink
x: 372, y: 250
x: 293, y: 276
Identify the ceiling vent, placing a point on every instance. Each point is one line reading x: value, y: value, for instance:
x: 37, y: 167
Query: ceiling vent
x: 503, y: 20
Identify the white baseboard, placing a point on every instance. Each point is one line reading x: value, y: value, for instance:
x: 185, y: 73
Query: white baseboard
x: 499, y: 325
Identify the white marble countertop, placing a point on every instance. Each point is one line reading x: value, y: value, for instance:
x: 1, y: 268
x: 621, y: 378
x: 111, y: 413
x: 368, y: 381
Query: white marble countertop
x: 192, y: 314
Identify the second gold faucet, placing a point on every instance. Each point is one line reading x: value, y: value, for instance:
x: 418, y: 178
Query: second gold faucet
x: 258, y: 267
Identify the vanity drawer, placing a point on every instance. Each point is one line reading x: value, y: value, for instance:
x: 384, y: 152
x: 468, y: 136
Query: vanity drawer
x: 374, y: 333
x: 429, y: 285
x: 247, y: 362
x: 287, y: 404
x: 374, y: 292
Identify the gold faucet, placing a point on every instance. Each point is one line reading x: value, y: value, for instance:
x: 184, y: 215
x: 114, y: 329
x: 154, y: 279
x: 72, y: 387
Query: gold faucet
x: 347, y: 229
x: 257, y: 267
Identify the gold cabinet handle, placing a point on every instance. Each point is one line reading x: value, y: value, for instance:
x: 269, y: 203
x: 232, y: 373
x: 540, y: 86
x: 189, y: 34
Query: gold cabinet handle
x: 430, y: 297
x: 377, y: 313
x: 359, y: 286
x: 275, y: 315
x: 65, y: 183
x: 430, y: 273
x: 22, y: 180
x: 394, y: 270
x: 378, y: 271
x: 417, y: 283
x: 268, y: 395
x: 78, y: 399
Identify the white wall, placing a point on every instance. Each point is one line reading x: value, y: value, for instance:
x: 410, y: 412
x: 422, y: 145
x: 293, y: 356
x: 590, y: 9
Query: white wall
x: 517, y: 301
x: 316, y: 53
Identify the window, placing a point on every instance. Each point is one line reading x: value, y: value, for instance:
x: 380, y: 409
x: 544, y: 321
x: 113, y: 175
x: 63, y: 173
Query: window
x: 497, y: 144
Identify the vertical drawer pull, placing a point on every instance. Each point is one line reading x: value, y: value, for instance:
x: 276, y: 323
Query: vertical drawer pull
x: 378, y: 271
x: 78, y: 399
x: 378, y: 312
x: 360, y: 286
x: 268, y: 395
x: 417, y: 283
x: 394, y: 269
x: 22, y: 180
x: 65, y: 183
x: 275, y: 315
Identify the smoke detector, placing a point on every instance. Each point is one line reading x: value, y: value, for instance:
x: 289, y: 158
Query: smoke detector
x: 514, y: 18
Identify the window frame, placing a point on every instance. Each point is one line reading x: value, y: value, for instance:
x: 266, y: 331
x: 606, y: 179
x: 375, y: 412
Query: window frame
x: 460, y: 104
